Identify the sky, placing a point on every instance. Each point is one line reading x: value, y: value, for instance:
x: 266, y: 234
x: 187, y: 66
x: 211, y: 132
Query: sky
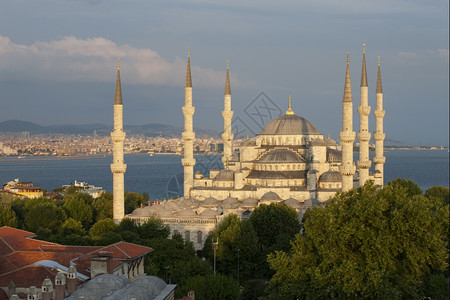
x: 58, y: 61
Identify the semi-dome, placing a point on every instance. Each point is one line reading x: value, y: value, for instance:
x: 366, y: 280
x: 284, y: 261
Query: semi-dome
x: 249, y: 202
x: 289, y: 124
x: 270, y: 196
x: 331, y: 176
x: 280, y: 156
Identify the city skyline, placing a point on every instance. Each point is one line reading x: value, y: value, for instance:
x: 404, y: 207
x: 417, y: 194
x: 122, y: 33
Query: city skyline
x: 63, y: 59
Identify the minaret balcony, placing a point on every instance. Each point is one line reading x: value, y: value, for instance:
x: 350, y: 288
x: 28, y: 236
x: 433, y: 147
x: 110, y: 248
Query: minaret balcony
x: 364, y: 164
x: 188, y: 135
x: 188, y: 162
x: 227, y: 136
x: 379, y: 113
x: 379, y: 160
x: 379, y: 136
x: 364, y: 111
x: 227, y: 114
x: 364, y: 136
x: 347, y: 170
x: 118, y: 168
x: 118, y: 136
x: 188, y: 110
x: 347, y: 136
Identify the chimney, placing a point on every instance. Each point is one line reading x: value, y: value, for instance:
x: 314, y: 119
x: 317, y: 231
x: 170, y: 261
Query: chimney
x: 191, y: 294
x: 60, y: 286
x: 101, y: 263
x: 72, y: 280
x: 11, y: 289
x: 32, y: 293
x: 47, y: 289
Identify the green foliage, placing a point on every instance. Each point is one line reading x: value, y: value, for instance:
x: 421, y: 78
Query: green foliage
x: 182, y: 270
x: 72, y: 226
x: 365, y: 244
x: 411, y: 188
x: 103, y: 207
x: 78, y: 207
x: 212, y: 287
x: 167, y: 252
x: 103, y: 227
x: 133, y: 200
x: 7, y: 217
x: 43, y: 218
x: 153, y: 228
x: 253, y: 290
x: 439, y: 192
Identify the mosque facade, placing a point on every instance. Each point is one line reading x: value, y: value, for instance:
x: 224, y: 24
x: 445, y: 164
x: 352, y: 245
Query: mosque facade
x: 288, y: 162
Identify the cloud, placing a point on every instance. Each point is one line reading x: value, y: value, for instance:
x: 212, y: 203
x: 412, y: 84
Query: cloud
x: 94, y: 59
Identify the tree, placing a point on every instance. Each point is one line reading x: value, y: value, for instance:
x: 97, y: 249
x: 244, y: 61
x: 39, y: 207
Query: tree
x: 439, y: 192
x: 44, y: 218
x: 366, y: 243
x: 103, y: 207
x: 412, y: 189
x: 154, y: 228
x: 212, y: 287
x: 78, y: 207
x: 102, y: 227
x: 7, y: 217
x: 133, y: 200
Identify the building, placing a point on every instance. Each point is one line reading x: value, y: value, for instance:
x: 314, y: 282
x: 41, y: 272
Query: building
x: 86, y: 188
x: 27, y: 263
x: 288, y: 162
x: 22, y: 189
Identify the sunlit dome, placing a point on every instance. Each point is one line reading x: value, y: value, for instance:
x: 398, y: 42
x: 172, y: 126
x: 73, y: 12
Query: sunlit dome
x: 289, y: 124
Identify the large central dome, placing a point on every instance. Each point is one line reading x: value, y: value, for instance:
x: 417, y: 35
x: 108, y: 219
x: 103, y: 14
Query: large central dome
x: 289, y: 124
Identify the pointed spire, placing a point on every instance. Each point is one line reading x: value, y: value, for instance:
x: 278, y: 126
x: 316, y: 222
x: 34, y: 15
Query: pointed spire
x: 379, y: 88
x: 227, y: 81
x: 290, y: 111
x: 348, y: 83
x: 118, y: 96
x: 188, y: 70
x: 364, y: 71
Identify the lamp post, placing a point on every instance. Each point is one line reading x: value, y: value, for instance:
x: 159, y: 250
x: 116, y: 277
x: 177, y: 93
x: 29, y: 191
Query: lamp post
x: 238, y: 250
x: 215, y: 246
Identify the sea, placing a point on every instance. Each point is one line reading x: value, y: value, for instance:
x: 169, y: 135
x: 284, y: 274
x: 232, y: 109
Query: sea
x: 161, y: 176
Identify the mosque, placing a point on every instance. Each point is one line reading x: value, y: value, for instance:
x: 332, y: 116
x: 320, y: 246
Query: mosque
x: 288, y: 162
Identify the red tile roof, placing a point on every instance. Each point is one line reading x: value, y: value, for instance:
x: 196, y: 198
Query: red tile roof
x: 20, y: 240
x: 27, y: 276
x: 3, y: 295
x: 125, y: 250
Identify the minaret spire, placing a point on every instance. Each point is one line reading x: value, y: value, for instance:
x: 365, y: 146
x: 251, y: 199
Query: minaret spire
x: 347, y: 135
x: 364, y: 134
x: 118, y: 168
x: 227, y: 113
x: 379, y: 135
x: 188, y: 135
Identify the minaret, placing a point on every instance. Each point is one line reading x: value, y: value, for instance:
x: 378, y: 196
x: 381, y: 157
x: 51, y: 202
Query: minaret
x: 118, y: 168
x: 188, y: 135
x: 379, y: 135
x: 364, y: 134
x: 227, y: 113
x: 347, y: 135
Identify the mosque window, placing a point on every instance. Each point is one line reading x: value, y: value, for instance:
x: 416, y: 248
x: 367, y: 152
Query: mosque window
x: 175, y: 232
x: 187, y: 236
x: 199, y: 237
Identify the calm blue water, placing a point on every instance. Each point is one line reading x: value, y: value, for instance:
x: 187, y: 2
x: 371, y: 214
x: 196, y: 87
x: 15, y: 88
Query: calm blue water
x: 161, y: 175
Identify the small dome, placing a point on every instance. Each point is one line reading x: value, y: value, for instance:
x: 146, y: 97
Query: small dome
x: 291, y: 202
x: 249, y: 202
x: 289, y: 124
x: 209, y: 202
x: 225, y: 175
x: 318, y: 142
x: 230, y: 203
x: 152, y: 284
x: 280, y: 155
x: 270, y: 196
x: 186, y: 213
x: 208, y: 214
x: 330, y: 142
x: 187, y: 202
x: 171, y: 205
x: 330, y: 176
